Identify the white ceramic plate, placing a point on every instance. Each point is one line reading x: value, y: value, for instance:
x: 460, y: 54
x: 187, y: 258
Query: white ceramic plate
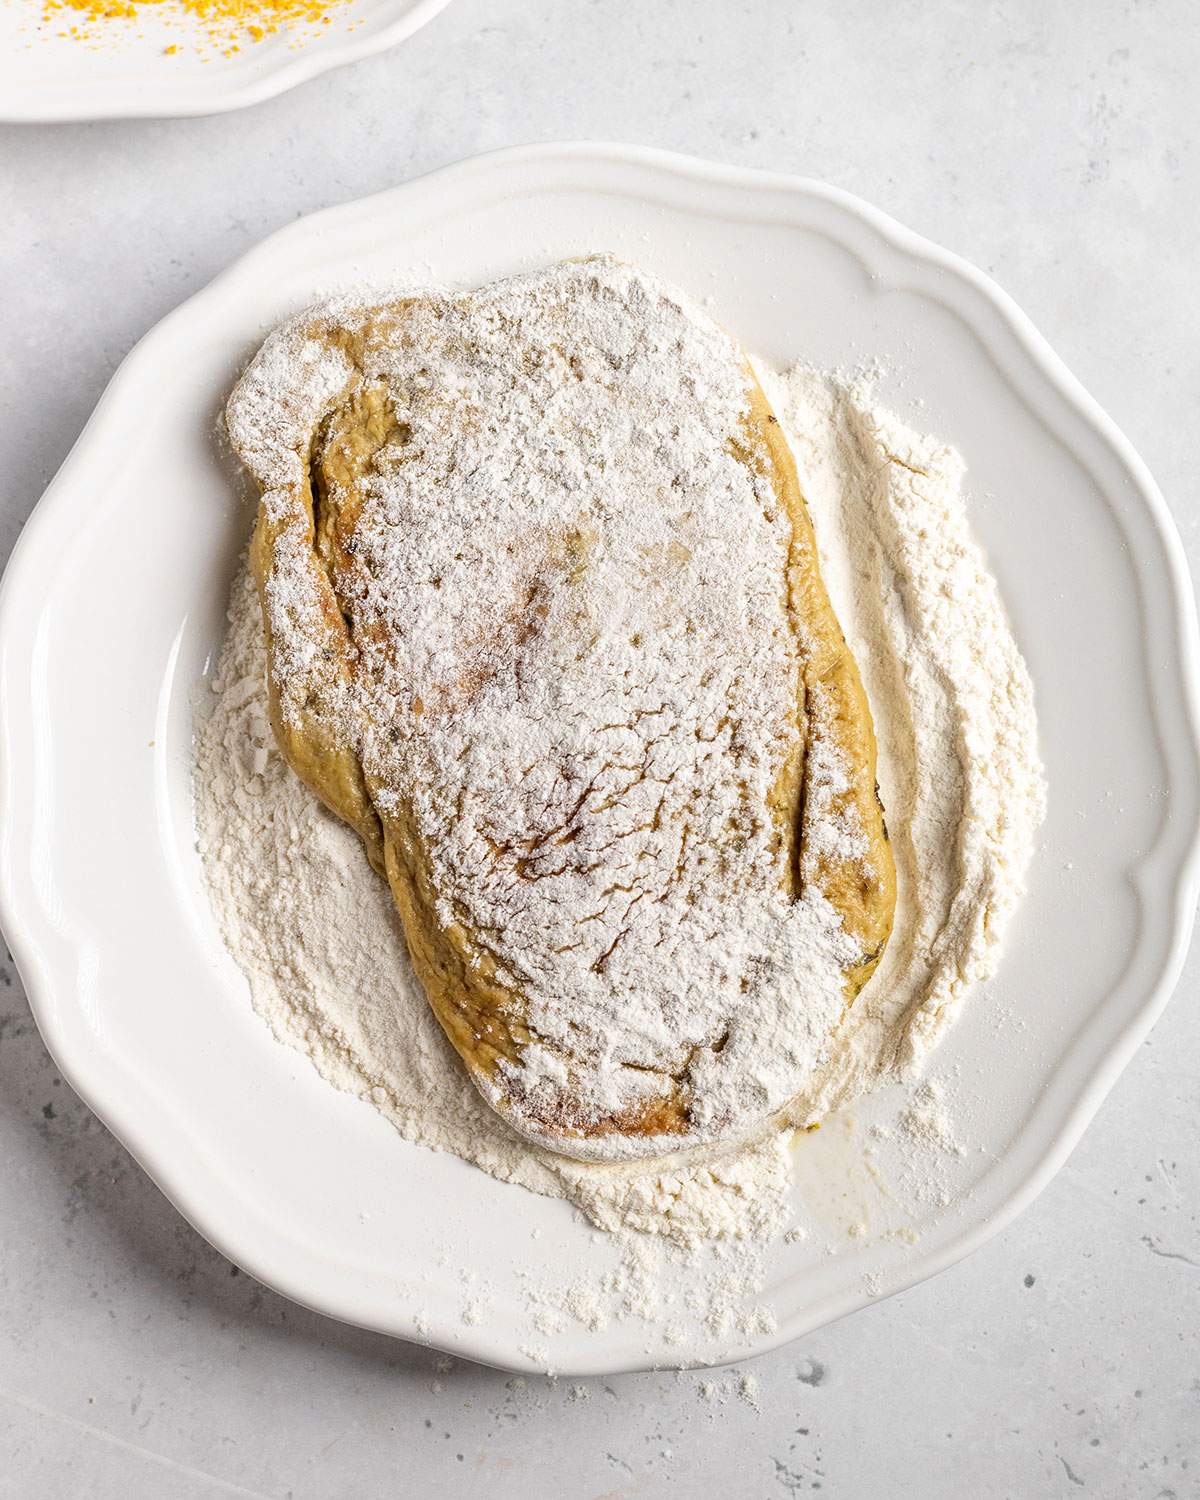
x: 125, y: 72
x: 113, y: 605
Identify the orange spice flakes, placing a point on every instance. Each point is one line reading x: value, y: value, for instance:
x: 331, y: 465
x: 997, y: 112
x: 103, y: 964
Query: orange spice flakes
x: 225, y: 22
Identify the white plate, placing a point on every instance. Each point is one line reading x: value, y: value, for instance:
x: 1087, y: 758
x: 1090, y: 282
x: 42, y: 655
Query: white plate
x: 113, y: 605
x: 125, y: 73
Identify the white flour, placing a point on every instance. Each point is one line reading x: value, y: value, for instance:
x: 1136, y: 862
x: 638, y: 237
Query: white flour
x: 959, y: 770
x: 312, y: 926
x: 926, y: 1121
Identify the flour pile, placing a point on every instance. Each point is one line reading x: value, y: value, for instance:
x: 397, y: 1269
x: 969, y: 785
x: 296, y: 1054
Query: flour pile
x: 313, y: 928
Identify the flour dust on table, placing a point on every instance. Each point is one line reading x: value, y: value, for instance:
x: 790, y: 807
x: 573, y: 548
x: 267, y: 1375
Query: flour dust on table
x: 313, y: 927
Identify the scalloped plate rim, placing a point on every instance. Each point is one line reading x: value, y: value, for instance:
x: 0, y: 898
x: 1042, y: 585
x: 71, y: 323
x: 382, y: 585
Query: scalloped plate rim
x: 50, y: 998
x: 125, y: 98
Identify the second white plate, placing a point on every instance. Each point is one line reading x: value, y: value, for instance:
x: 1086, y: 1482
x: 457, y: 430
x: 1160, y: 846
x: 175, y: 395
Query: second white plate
x: 122, y: 69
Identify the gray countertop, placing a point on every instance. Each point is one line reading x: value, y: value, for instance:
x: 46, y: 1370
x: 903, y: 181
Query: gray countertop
x: 1054, y: 144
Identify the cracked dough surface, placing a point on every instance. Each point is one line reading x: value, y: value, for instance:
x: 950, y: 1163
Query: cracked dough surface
x: 546, y: 626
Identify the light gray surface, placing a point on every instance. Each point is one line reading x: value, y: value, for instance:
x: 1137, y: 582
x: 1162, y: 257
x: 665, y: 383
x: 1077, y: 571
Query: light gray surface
x: 1056, y: 146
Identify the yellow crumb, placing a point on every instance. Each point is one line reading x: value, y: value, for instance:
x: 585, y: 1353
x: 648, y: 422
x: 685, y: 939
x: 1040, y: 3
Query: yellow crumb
x: 225, y: 22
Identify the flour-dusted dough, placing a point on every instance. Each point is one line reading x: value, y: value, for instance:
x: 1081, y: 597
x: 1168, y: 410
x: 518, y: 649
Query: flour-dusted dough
x: 545, y: 626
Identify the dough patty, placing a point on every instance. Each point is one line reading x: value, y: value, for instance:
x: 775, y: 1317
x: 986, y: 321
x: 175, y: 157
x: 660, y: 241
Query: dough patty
x: 546, y: 626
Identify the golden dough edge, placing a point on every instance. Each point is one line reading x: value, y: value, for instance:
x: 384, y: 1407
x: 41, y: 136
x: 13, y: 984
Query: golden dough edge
x: 862, y: 892
x: 453, y: 974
